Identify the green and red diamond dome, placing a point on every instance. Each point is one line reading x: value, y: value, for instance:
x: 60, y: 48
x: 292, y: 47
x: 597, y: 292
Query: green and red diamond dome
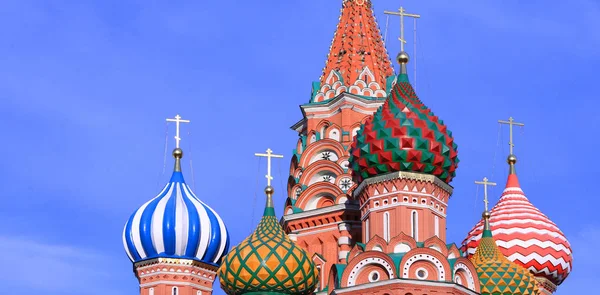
x: 403, y: 135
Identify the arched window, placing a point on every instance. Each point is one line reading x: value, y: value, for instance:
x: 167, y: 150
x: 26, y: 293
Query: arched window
x: 415, y: 225
x: 175, y: 291
x: 151, y: 291
x: 436, y: 224
x: 319, y: 274
x: 367, y: 230
x: 386, y: 226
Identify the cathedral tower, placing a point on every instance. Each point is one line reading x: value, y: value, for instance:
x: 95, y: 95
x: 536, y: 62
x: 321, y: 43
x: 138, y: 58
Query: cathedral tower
x: 175, y: 241
x: 498, y: 275
x: 403, y: 158
x: 524, y: 234
x: 268, y: 262
x: 320, y: 212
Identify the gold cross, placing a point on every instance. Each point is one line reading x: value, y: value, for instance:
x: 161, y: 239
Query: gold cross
x: 269, y: 155
x: 402, y: 13
x: 177, y: 121
x: 485, y: 183
x: 510, y: 123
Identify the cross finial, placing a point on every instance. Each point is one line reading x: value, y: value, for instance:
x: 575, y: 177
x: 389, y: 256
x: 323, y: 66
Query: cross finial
x: 402, y: 13
x: 511, y: 122
x: 269, y: 155
x: 177, y: 120
x: 485, y: 183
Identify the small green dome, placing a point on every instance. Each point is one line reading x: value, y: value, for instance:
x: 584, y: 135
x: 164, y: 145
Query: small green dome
x: 498, y: 275
x: 268, y: 262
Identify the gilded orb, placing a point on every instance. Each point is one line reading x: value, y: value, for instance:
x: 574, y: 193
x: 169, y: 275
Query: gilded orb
x: 512, y: 159
x: 486, y: 215
x: 178, y: 153
x: 402, y: 58
x: 269, y: 190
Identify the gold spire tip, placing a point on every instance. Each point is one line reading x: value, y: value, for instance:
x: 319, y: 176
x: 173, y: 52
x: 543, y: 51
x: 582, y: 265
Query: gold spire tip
x: 402, y: 58
x: 512, y: 160
x: 177, y: 153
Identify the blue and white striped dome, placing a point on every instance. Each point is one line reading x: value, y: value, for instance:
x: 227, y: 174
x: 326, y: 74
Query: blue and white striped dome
x: 176, y: 224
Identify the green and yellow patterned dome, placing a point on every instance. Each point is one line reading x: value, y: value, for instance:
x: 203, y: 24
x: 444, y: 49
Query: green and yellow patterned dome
x: 498, y: 275
x: 268, y: 262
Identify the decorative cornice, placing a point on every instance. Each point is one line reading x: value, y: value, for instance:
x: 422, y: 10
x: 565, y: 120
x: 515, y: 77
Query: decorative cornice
x: 155, y: 283
x: 404, y: 281
x: 403, y: 175
x: 330, y: 104
x: 175, y: 261
x: 316, y: 212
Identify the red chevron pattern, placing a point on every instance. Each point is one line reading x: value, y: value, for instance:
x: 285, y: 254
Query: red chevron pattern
x: 525, y: 236
x: 404, y: 135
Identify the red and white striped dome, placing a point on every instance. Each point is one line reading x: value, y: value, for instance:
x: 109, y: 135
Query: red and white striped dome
x: 525, y: 235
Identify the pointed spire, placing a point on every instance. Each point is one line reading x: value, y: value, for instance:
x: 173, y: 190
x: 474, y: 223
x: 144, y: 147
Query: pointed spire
x: 357, y: 52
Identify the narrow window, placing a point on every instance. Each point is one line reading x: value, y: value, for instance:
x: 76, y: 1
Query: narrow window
x: 318, y: 287
x: 386, y: 226
x: 175, y: 291
x: 367, y: 230
x: 437, y: 225
x: 415, y: 225
x: 151, y: 291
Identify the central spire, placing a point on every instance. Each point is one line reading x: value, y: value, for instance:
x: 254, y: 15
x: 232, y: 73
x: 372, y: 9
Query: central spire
x: 357, y: 62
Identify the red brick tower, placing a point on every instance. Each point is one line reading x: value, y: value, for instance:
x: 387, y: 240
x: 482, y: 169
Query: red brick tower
x: 320, y: 213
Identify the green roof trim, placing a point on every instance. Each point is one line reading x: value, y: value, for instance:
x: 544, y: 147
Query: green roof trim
x: 340, y: 270
x: 397, y: 258
x: 452, y: 261
x: 316, y: 86
x: 269, y: 211
x: 389, y: 81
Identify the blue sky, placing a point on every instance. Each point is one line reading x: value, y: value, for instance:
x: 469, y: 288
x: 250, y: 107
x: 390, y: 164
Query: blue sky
x: 85, y: 87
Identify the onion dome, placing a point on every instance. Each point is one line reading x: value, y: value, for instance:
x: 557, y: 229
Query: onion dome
x: 403, y: 135
x: 498, y: 275
x: 524, y: 234
x: 176, y: 224
x: 268, y: 262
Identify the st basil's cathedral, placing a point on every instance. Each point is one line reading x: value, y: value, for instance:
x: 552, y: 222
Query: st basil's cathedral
x: 368, y: 193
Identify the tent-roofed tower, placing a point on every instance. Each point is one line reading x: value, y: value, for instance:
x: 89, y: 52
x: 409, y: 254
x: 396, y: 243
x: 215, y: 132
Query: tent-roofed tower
x: 357, y: 62
x: 355, y: 80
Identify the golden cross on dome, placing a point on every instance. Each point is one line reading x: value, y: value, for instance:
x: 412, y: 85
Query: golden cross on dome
x: 402, y: 13
x: 511, y: 122
x: 268, y: 155
x: 177, y: 121
x: 485, y: 183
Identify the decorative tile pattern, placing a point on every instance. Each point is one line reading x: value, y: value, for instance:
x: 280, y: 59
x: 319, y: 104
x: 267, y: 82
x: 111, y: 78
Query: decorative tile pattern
x: 525, y: 235
x: 404, y: 135
x: 268, y: 261
x: 498, y: 275
x: 357, y: 62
